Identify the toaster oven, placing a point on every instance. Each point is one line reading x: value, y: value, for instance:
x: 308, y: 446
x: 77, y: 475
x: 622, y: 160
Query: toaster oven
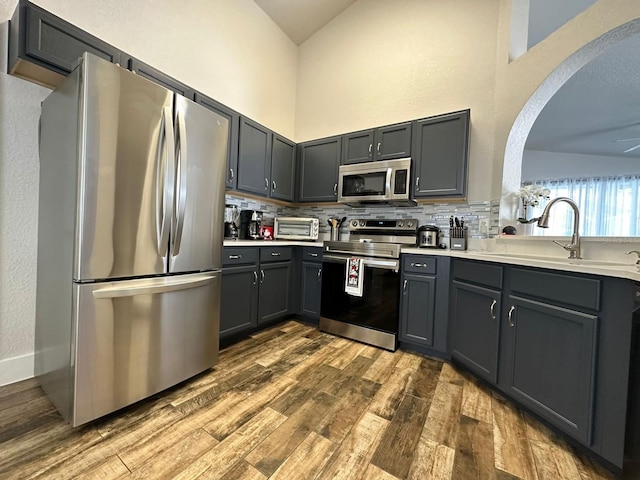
x: 296, y: 228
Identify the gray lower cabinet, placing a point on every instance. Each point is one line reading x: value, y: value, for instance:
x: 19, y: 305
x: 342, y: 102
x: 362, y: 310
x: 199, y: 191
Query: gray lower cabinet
x: 552, y: 363
x: 476, y: 328
x: 383, y: 143
x: 318, y: 163
x: 256, y: 286
x: 44, y: 48
x: 424, y: 303
x: 311, y: 289
x: 239, y: 308
x: 232, y: 140
x: 440, y: 154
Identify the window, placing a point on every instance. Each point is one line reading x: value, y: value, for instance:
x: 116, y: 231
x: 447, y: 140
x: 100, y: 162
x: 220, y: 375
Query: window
x: 609, y: 206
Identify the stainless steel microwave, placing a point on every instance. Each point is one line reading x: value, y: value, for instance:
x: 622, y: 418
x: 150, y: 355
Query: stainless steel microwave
x: 376, y: 183
x: 296, y: 228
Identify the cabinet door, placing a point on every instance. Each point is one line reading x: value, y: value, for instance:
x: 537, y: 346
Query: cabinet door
x: 283, y: 161
x: 254, y: 158
x: 311, y: 289
x: 476, y: 328
x: 156, y: 76
x: 45, y: 48
x: 393, y: 141
x: 440, y: 155
x: 417, y: 307
x: 357, y: 147
x: 274, y: 291
x: 552, y: 363
x: 239, y: 300
x: 319, y: 161
x: 232, y: 139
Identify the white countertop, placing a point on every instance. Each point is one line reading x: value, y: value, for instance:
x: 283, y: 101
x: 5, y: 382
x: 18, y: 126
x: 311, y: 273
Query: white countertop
x: 610, y: 269
x: 618, y: 269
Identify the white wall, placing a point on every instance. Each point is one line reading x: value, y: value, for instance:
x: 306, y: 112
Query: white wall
x: 230, y: 51
x: 381, y: 62
x: 539, y: 165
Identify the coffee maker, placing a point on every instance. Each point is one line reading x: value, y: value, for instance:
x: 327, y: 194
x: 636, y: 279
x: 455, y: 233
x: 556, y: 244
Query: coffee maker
x: 251, y: 224
x: 231, y: 216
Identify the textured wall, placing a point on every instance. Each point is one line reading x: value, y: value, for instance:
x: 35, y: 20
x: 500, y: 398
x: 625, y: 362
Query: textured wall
x: 538, y: 165
x: 381, y: 62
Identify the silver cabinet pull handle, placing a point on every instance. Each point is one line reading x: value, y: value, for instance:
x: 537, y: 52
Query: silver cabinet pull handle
x: 493, y: 305
x: 404, y: 287
x: 261, y: 276
x: 312, y: 254
x: 234, y: 257
x: 274, y: 185
x: 378, y: 148
x: 370, y: 148
x: 417, y: 182
x: 266, y: 184
x: 275, y: 254
x: 420, y: 265
x: 319, y: 273
x: 255, y: 277
x: 511, y: 322
x: 231, y: 174
x: 335, y: 189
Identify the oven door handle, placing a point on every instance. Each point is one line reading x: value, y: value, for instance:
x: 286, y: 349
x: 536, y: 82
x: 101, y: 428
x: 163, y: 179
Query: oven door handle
x: 367, y: 262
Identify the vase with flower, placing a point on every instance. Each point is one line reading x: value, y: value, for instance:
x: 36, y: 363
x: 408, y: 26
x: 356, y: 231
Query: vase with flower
x: 530, y: 197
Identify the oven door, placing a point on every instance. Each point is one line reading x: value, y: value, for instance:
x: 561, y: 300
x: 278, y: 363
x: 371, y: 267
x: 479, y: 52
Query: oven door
x: 372, y: 318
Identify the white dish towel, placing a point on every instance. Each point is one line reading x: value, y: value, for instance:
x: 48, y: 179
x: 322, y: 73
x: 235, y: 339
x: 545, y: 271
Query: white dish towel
x: 354, y: 277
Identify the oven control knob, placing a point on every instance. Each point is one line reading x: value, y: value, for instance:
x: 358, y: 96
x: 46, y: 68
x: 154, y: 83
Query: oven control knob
x: 401, y: 224
x: 409, y: 224
x: 362, y: 223
x: 354, y: 223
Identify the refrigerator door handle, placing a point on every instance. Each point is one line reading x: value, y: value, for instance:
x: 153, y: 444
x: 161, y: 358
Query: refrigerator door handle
x: 165, y: 176
x: 152, y: 286
x: 181, y: 199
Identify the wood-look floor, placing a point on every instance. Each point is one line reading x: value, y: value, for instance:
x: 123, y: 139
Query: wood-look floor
x: 293, y: 403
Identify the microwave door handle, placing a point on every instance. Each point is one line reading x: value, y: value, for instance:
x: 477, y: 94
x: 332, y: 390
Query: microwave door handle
x: 387, y: 186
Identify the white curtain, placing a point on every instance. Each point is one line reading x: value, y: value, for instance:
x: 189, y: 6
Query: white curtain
x: 609, y: 206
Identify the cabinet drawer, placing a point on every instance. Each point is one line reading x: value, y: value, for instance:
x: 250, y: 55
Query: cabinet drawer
x: 478, y: 272
x: 419, y: 264
x: 311, y: 254
x: 239, y: 256
x: 275, y: 254
x: 557, y: 287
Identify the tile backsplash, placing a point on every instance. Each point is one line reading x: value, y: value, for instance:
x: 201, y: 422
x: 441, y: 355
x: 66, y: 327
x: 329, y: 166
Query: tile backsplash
x: 480, y: 217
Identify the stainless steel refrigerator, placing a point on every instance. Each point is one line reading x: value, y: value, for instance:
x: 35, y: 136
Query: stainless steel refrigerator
x: 129, y: 241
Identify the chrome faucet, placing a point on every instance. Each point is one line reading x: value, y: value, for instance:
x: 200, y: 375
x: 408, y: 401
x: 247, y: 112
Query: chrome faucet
x: 574, y: 247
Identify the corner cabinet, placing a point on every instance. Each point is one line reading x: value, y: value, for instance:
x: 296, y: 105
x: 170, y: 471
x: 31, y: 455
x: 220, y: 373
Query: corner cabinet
x: 44, y: 48
x: 318, y: 166
x: 440, y: 153
x: 283, y: 167
x: 232, y: 139
x: 423, y: 302
x: 475, y: 310
x: 383, y: 143
x: 254, y: 161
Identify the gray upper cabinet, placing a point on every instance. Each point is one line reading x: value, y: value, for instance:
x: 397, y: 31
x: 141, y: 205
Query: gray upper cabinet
x: 254, y: 158
x: 44, y: 48
x: 283, y: 162
x: 440, y: 153
x: 383, y: 143
x: 318, y: 166
x: 234, y: 126
x: 156, y: 76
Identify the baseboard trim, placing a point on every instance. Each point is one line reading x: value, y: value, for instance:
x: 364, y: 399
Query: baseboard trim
x: 16, y: 368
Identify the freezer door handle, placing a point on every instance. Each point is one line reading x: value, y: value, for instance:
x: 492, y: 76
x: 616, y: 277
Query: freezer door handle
x: 165, y: 181
x: 152, y: 286
x: 181, y: 200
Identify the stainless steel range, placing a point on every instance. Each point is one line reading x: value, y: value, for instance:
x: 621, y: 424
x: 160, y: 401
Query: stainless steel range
x: 373, y: 317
